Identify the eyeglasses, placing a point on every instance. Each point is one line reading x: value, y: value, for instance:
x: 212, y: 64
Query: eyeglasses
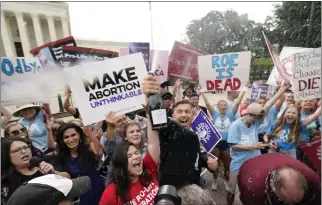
x: 257, y: 116
x: 17, y: 132
x: 19, y: 150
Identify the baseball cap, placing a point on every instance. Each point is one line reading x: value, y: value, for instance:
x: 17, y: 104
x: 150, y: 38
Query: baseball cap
x: 49, y: 189
x: 167, y: 96
x: 255, y: 109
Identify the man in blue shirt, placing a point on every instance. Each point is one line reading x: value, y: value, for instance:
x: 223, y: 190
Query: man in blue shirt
x: 243, y: 138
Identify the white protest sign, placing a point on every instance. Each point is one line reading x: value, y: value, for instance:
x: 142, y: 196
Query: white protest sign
x: 224, y: 72
x: 286, y: 60
x: 109, y: 85
x: 159, y: 64
x: 306, y: 82
x: 21, y: 82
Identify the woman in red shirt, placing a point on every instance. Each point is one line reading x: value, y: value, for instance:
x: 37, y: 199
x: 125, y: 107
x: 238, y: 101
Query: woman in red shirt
x: 134, y: 179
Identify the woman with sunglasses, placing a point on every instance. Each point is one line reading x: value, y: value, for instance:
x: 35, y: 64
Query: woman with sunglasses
x: 16, y: 154
x: 15, y: 129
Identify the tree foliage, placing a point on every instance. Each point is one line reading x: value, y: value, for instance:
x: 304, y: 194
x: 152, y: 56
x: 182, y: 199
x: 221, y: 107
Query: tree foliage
x: 222, y: 32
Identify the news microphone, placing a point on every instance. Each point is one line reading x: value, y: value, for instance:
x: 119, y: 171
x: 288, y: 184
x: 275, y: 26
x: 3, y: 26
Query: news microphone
x: 35, y: 162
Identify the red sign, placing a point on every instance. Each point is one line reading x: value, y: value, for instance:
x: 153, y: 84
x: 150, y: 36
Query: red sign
x: 183, y: 62
x: 312, y: 150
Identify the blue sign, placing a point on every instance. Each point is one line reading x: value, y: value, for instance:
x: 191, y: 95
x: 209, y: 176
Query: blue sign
x: 144, y: 48
x: 206, y: 131
x: 259, y: 90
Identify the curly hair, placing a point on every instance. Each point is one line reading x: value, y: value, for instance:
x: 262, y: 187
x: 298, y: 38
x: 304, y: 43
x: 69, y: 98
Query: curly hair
x: 120, y: 175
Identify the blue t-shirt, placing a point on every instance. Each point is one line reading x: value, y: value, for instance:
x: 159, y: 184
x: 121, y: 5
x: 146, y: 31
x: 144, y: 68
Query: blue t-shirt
x: 282, y: 138
x: 222, y: 123
x: 305, y: 134
x: 268, y: 119
x: 239, y: 134
x: 37, y: 130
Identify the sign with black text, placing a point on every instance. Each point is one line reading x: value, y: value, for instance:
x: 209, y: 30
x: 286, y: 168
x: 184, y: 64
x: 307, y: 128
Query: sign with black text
x: 110, y: 85
x: 306, y: 81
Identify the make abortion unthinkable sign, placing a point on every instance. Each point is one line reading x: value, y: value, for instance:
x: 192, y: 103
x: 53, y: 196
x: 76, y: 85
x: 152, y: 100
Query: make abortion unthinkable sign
x: 224, y: 72
x: 109, y: 85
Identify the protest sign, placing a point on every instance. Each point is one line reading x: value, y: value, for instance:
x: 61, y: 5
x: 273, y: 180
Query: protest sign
x: 306, y: 81
x: 286, y: 60
x: 312, y: 150
x: 110, y: 85
x: 183, y: 62
x: 124, y: 51
x: 51, y: 54
x: 159, y: 64
x: 224, y: 72
x: 206, y: 131
x: 20, y: 81
x: 74, y: 55
x: 259, y: 90
x: 144, y: 48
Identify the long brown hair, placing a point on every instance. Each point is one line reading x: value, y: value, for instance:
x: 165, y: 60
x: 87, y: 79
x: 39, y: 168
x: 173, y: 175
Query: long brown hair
x: 131, y: 124
x: 294, y: 127
x: 11, y: 124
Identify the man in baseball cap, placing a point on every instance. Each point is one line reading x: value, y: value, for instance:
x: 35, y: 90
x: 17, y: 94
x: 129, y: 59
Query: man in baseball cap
x: 50, y: 189
x: 243, y: 139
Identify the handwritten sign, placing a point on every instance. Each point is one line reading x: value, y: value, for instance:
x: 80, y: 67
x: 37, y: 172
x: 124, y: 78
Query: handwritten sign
x: 224, y: 72
x: 183, y: 62
x: 144, y: 48
x: 74, y: 55
x: 21, y: 82
x: 306, y: 82
x: 286, y: 58
x: 110, y: 85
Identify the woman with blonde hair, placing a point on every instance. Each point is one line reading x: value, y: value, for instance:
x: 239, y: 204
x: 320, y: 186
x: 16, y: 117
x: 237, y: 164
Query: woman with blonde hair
x: 284, y: 135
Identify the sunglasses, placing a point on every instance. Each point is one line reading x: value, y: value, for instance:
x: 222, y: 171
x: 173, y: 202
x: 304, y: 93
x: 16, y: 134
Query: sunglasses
x: 252, y: 115
x: 18, y: 150
x: 17, y: 132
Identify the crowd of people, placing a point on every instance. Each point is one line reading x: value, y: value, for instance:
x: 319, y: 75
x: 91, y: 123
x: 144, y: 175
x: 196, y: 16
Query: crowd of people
x: 127, y: 162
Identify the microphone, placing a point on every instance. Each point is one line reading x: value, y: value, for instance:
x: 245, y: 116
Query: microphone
x: 35, y: 162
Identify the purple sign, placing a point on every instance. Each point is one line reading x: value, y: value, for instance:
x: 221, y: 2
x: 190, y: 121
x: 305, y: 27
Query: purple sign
x: 206, y: 131
x: 259, y: 90
x: 144, y: 48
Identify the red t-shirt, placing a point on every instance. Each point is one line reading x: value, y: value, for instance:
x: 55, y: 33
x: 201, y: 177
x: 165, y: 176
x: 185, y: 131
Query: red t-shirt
x: 137, y: 194
x: 253, y: 173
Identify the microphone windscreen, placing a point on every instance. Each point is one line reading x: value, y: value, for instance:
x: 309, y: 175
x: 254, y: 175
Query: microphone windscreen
x: 34, y: 162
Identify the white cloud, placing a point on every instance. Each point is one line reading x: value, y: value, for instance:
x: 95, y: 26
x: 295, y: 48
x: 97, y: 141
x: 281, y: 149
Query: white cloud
x: 130, y: 21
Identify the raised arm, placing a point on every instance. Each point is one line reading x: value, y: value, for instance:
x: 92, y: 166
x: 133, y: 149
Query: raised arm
x: 276, y: 97
x: 6, y: 116
x: 237, y: 102
x: 312, y: 117
x: 95, y: 146
x: 51, y: 144
x: 67, y: 106
x: 209, y: 107
x: 153, y: 141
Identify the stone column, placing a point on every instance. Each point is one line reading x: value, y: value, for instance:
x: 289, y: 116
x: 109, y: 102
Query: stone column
x: 22, y: 26
x: 51, y: 26
x: 37, y: 28
x: 7, y: 41
x: 64, y: 23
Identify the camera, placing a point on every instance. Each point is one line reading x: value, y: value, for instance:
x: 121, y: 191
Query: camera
x: 167, y: 195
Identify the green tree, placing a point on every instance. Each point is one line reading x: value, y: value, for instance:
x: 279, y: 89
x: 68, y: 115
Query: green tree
x: 290, y: 24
